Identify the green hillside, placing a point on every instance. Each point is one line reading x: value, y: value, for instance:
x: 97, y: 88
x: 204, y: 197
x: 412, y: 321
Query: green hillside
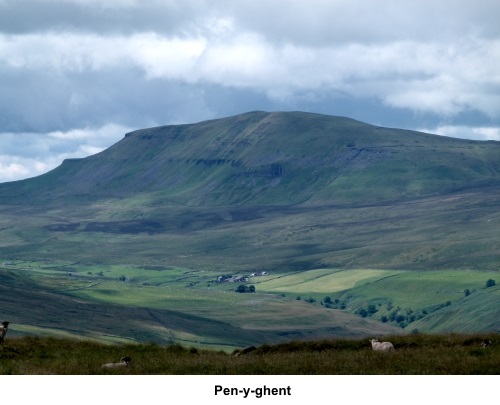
x: 263, y: 158
x: 123, y: 304
x: 445, y: 354
x: 126, y: 245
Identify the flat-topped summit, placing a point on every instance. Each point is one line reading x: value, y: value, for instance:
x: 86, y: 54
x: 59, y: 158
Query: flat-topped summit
x: 262, y: 158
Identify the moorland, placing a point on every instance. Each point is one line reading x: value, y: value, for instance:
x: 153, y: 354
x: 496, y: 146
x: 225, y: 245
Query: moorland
x: 450, y: 354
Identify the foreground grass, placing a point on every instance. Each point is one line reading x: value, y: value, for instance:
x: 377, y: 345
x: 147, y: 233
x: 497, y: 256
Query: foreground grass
x: 415, y: 354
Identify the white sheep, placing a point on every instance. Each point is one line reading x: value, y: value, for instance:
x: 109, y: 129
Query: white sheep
x: 381, y: 346
x: 124, y: 362
x: 486, y: 343
x: 3, y: 330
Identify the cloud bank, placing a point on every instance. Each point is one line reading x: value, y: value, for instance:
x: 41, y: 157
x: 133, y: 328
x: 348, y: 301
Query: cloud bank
x: 87, y: 70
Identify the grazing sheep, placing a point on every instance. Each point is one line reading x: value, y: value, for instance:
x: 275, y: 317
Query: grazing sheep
x: 486, y: 343
x: 124, y: 362
x: 3, y: 330
x: 381, y: 346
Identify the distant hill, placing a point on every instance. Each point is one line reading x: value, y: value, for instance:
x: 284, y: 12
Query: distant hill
x: 259, y: 158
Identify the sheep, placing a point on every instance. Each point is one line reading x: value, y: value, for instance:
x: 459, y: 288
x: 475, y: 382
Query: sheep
x: 381, y: 346
x: 486, y: 343
x: 3, y: 330
x: 124, y: 362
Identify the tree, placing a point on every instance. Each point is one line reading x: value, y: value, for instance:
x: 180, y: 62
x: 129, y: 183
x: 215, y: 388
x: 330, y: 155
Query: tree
x: 400, y: 318
x: 466, y: 292
x: 245, y: 289
x: 240, y: 289
x: 327, y: 300
x: 490, y: 283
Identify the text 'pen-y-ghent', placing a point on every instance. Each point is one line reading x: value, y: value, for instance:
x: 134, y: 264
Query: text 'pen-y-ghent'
x: 257, y: 392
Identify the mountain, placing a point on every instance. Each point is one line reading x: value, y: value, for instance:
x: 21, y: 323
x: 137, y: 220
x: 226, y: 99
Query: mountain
x: 259, y: 158
x: 386, y: 223
x: 281, y: 190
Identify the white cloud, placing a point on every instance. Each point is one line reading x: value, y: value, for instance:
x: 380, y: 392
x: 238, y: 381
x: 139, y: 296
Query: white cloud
x: 31, y: 154
x: 99, y: 136
x: 167, y: 58
x: 11, y: 169
x: 442, y: 78
x: 20, y: 167
x: 465, y: 132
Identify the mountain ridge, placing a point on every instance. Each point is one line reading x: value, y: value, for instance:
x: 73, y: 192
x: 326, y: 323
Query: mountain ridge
x: 268, y: 158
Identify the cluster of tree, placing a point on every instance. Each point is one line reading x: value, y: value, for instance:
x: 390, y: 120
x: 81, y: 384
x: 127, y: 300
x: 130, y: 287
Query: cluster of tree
x: 327, y: 302
x: 245, y: 288
x: 396, y: 316
x: 402, y: 319
x: 336, y: 303
x: 369, y: 311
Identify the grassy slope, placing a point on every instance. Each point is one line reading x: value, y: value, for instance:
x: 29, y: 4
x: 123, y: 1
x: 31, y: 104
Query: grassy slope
x: 416, y: 355
x: 429, y: 301
x: 482, y: 309
x: 266, y: 159
x: 181, y: 307
x: 459, y: 231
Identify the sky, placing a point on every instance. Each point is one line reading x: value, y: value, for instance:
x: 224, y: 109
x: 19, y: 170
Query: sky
x: 76, y: 75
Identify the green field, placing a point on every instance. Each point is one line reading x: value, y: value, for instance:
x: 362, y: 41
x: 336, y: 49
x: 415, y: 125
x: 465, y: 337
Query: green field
x: 325, y: 281
x: 133, y: 303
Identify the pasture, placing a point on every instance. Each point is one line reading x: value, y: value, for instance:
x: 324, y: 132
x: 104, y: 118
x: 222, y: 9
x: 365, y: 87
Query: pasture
x: 427, y: 301
x: 325, y: 281
x: 161, y: 304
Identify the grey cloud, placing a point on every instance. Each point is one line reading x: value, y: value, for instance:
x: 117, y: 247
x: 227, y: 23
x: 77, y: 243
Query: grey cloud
x: 323, y: 22
x: 312, y: 22
x: 106, y: 17
x: 44, y: 102
x: 84, y: 65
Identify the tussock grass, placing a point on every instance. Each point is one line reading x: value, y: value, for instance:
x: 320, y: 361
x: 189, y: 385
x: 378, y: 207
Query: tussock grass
x: 415, y: 354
